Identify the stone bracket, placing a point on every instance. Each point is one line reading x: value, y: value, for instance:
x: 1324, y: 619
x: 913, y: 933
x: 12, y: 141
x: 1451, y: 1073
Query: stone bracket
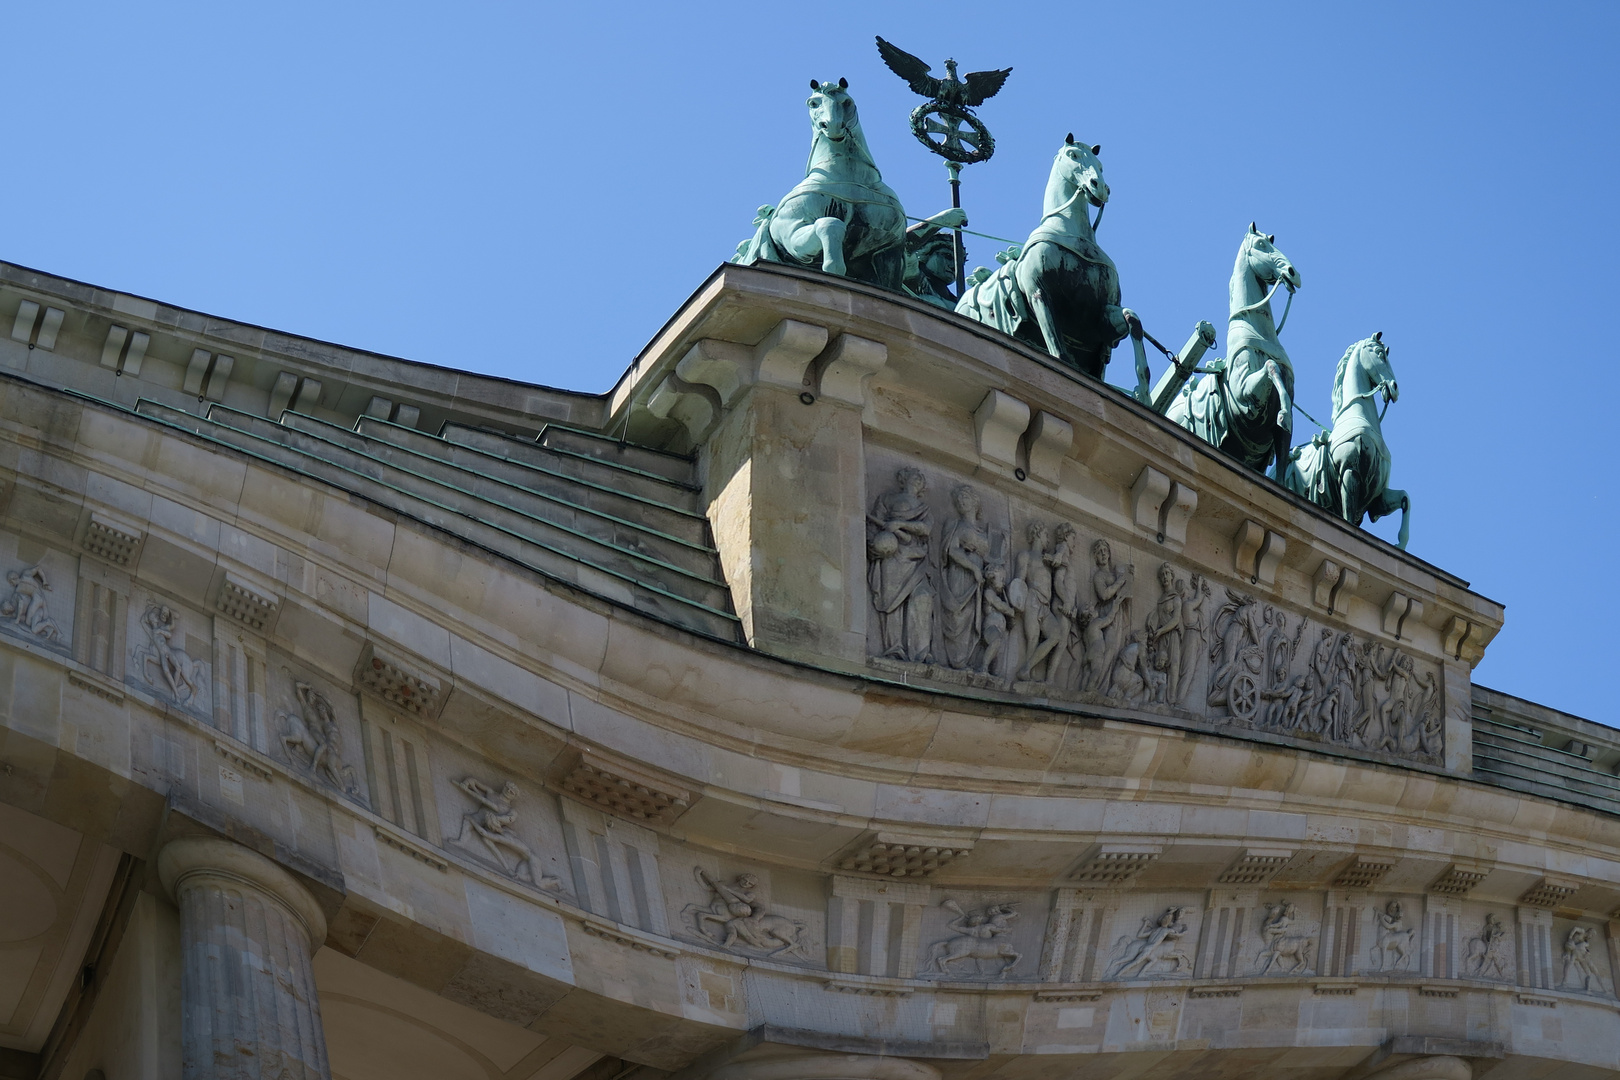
x: 112, y: 540
x: 254, y: 606
x: 621, y: 788
x: 1113, y: 865
x: 1397, y: 610
x: 696, y: 408
x: 1256, y: 866
x: 847, y: 364
x: 893, y: 855
x: 1333, y: 586
x: 1257, y: 552
x: 124, y: 351
x: 1046, y: 443
x: 998, y: 424
x: 783, y: 355
x: 1464, y: 640
x: 28, y: 320
x: 1162, y: 506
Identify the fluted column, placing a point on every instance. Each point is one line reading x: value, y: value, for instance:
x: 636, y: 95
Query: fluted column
x: 826, y: 1067
x: 247, y: 987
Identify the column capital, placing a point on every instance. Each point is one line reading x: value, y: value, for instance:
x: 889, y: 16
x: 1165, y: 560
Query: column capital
x: 827, y: 1067
x: 195, y: 859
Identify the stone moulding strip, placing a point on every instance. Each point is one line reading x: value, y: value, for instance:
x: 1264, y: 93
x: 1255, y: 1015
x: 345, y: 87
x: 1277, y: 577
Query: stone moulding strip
x: 1215, y: 992
x: 1068, y: 995
x: 845, y: 986
x: 111, y: 539
x: 620, y: 935
x: 1439, y: 991
x: 1536, y: 999
x: 97, y: 685
x: 403, y: 683
x: 415, y: 851
x: 625, y: 790
x: 1548, y: 893
x: 1334, y: 989
x: 896, y: 856
x: 242, y: 760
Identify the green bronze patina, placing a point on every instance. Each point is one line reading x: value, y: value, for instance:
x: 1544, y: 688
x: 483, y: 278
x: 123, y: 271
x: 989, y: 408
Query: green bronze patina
x: 1244, y: 405
x: 1062, y: 292
x: 842, y: 218
x: 931, y: 258
x: 1346, y: 470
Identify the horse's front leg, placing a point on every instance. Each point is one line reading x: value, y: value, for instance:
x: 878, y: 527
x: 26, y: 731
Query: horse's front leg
x: 823, y: 237
x: 1143, y: 375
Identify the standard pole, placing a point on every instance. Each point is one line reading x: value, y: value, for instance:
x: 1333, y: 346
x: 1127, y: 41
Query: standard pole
x: 955, y: 169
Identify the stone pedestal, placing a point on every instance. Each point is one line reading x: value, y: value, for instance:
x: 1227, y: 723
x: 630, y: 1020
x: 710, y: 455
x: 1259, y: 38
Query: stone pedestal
x: 247, y: 932
x: 826, y: 1067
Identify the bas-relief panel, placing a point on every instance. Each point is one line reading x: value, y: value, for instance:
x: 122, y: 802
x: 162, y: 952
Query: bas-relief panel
x: 972, y: 934
x: 169, y: 650
x: 506, y: 823
x: 315, y: 728
x: 969, y: 586
x: 748, y: 909
x: 38, y: 594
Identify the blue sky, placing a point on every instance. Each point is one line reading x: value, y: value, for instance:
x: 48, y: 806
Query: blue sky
x: 531, y: 189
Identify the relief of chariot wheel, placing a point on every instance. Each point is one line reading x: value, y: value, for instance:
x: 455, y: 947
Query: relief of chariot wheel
x: 1244, y: 696
x: 952, y: 132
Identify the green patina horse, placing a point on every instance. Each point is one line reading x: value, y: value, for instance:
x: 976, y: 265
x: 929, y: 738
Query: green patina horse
x: 1062, y: 292
x: 1346, y: 470
x: 842, y: 218
x: 1244, y: 406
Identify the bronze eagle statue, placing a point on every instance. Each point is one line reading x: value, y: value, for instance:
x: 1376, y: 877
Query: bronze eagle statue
x: 978, y: 87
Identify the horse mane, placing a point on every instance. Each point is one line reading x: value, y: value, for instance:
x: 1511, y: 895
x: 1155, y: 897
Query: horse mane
x: 1338, y: 375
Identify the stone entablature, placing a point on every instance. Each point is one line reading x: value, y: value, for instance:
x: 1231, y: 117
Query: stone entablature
x: 652, y: 842
x: 964, y: 514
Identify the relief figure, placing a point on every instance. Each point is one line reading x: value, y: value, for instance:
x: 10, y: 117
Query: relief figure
x: 1487, y: 953
x: 737, y: 918
x: 1164, y: 633
x: 1290, y: 950
x: 1034, y: 578
x: 965, y: 549
x: 313, y: 731
x: 1000, y: 620
x: 1154, y: 945
x: 975, y: 940
x: 1194, y: 600
x: 1392, y: 947
x: 1111, y: 596
x: 26, y: 608
x: 492, y: 823
x: 1578, y: 960
x: 897, y: 537
x: 180, y: 674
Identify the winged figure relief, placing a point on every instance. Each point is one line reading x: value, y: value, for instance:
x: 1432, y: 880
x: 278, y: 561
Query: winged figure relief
x: 978, y: 87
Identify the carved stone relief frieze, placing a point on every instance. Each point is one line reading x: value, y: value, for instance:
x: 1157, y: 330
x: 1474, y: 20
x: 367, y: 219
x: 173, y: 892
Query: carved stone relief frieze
x: 1286, y: 945
x: 1394, y: 943
x: 738, y: 919
x: 976, y: 942
x: 26, y: 610
x: 488, y: 830
x: 1489, y: 954
x: 313, y: 739
x: 967, y: 587
x: 1579, y: 969
x: 1156, y: 949
x: 166, y: 656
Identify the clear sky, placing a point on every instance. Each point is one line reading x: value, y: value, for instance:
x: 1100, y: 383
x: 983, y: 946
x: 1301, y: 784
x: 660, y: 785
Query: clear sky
x: 531, y: 189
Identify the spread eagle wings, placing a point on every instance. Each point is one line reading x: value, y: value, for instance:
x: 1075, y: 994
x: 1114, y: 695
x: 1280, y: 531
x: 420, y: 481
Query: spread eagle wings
x: 978, y: 86
x: 909, y: 68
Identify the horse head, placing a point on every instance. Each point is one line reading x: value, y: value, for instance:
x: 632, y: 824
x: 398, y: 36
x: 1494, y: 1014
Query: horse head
x: 1265, y: 262
x: 1371, y: 357
x: 1081, y: 170
x: 832, y: 110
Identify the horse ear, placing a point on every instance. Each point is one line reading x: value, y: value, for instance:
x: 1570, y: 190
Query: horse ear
x: 1379, y: 337
x: 843, y: 84
x: 1068, y: 140
x: 1253, y: 229
x: 814, y: 85
x: 1271, y: 238
x: 1095, y: 150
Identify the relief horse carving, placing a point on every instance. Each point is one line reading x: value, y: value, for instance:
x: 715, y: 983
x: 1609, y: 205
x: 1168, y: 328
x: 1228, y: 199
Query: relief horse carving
x: 842, y: 218
x: 1244, y: 406
x: 1346, y: 469
x: 1061, y: 293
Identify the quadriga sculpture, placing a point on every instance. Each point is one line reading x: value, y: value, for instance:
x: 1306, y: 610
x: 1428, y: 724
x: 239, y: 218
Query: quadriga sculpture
x: 842, y: 218
x: 1346, y: 470
x: 1244, y: 405
x: 1062, y: 292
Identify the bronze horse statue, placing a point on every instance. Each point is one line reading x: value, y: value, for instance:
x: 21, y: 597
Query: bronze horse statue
x: 1244, y: 406
x: 841, y: 218
x: 1061, y: 293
